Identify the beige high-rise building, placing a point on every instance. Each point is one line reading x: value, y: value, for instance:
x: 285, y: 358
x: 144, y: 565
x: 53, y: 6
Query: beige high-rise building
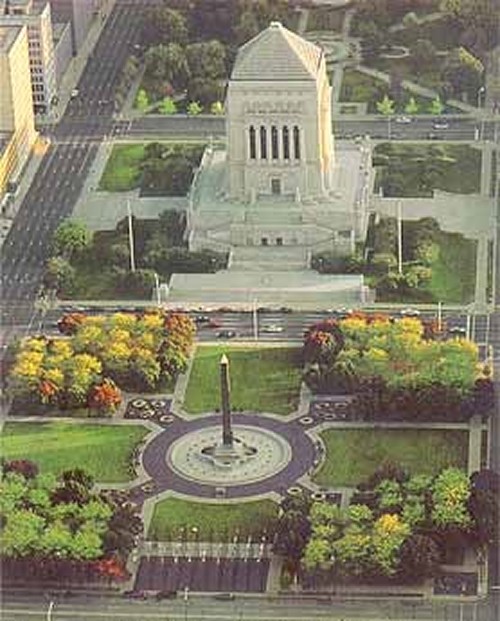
x: 35, y: 15
x: 17, y: 126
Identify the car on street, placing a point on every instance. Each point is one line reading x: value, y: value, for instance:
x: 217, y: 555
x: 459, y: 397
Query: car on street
x: 409, y: 312
x: 202, y: 319
x: 226, y: 334
x: 440, y: 125
x: 74, y: 93
x: 403, y: 119
x: 213, y: 323
x: 135, y: 594
x: 272, y: 329
x: 458, y: 331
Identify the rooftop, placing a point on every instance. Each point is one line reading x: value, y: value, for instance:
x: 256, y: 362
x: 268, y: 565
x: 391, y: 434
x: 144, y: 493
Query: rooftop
x: 8, y: 34
x: 277, y: 53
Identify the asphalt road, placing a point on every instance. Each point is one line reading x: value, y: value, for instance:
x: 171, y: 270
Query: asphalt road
x: 59, y: 180
x: 459, y: 128
x: 25, y: 608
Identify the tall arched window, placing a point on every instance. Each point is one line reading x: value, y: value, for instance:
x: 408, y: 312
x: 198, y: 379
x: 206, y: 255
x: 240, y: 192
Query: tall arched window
x: 296, y: 142
x: 274, y: 142
x: 263, y: 143
x: 286, y: 143
x: 253, y: 145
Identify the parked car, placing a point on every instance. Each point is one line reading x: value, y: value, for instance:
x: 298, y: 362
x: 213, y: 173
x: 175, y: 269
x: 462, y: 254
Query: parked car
x: 440, y: 125
x: 202, y: 319
x: 213, y: 323
x: 272, y: 329
x: 409, y: 312
x: 135, y: 594
x: 74, y: 93
x: 226, y: 334
x: 403, y: 119
x: 457, y: 331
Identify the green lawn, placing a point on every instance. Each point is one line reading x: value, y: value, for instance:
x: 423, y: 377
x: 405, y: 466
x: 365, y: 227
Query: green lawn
x: 410, y: 170
x: 122, y: 168
x: 359, y: 87
x: 352, y: 455
x: 103, y: 450
x: 454, y: 273
x: 214, y: 521
x: 262, y: 379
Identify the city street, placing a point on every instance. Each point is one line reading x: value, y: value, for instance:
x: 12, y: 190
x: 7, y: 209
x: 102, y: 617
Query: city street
x: 59, y: 180
x: 321, y: 607
x: 460, y: 128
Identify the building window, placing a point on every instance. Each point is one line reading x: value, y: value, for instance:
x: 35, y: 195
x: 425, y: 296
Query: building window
x: 296, y: 142
x: 264, y: 241
x: 253, y: 146
x: 286, y: 143
x: 279, y: 241
x: 274, y: 142
x: 276, y: 186
x: 263, y: 143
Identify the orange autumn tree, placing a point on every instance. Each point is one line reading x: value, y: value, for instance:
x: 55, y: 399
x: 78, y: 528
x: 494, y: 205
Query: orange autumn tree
x: 105, y: 397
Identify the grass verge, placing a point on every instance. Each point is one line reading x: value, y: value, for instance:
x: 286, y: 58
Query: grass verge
x: 214, y: 522
x: 102, y: 450
x: 353, y: 454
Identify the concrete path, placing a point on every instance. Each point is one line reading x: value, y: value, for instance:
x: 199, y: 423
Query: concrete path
x: 413, y: 87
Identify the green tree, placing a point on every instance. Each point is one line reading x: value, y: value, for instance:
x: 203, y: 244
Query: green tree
x: 168, y: 25
x: 194, y: 108
x: 167, y: 63
x: 412, y: 106
x: 59, y: 275
x: 450, y: 495
x: 217, y: 108
x: 436, y: 106
x: 386, y: 106
x: 142, y: 100
x: 207, y: 60
x: 71, y: 238
x: 167, y: 106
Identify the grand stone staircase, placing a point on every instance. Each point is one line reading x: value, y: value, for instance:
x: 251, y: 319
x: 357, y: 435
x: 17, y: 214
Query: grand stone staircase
x: 265, y: 258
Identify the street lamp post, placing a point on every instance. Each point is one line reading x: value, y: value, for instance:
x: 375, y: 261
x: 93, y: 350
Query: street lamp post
x: 255, y: 320
x: 400, y: 237
x: 157, y: 289
x: 131, y: 238
x: 481, y: 91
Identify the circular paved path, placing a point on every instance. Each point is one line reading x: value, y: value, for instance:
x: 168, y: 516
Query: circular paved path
x: 165, y: 478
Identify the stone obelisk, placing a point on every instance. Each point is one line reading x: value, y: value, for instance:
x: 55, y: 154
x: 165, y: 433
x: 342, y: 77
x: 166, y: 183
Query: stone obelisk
x: 227, y: 434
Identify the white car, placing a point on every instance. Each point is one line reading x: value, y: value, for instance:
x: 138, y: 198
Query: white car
x: 74, y: 93
x: 440, y: 125
x: 272, y: 329
x: 409, y: 312
x: 403, y: 119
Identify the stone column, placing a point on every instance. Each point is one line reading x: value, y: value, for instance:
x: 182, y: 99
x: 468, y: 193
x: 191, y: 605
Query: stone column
x: 227, y: 434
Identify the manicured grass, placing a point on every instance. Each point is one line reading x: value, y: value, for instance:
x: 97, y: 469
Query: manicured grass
x: 410, y: 170
x: 103, y: 450
x: 214, y: 521
x: 262, y: 379
x: 353, y: 454
x: 360, y: 87
x: 122, y: 172
x: 454, y: 272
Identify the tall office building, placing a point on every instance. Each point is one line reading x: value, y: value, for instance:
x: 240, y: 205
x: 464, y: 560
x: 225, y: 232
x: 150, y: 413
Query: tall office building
x: 17, y: 125
x: 79, y: 13
x: 35, y: 15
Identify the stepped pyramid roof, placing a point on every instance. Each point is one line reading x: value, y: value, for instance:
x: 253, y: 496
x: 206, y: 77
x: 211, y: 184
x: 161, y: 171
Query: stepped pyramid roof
x: 277, y: 53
